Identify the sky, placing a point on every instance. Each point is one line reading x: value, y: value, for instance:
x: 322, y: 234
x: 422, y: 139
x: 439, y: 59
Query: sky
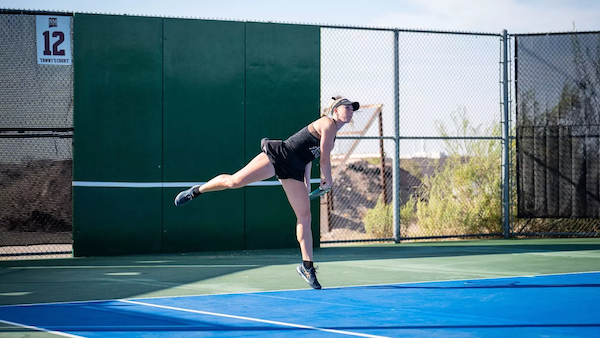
x: 516, y: 16
x: 440, y: 74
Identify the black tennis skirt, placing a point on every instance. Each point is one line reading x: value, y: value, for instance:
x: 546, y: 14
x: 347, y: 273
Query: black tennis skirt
x: 286, y: 162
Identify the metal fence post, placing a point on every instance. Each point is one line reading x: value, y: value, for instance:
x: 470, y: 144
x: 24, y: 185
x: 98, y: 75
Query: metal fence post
x: 396, y: 163
x: 505, y: 140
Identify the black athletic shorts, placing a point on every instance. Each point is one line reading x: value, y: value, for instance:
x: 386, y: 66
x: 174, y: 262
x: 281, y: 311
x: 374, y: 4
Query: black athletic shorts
x: 286, y: 162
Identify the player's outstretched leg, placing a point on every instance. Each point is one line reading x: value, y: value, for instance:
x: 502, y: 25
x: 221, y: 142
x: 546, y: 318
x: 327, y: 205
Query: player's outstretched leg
x: 258, y: 169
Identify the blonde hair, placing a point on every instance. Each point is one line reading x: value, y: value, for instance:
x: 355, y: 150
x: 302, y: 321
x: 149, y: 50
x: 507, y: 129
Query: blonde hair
x: 330, y: 106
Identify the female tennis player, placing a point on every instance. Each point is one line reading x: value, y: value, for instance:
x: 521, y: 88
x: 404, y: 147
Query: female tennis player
x: 290, y: 161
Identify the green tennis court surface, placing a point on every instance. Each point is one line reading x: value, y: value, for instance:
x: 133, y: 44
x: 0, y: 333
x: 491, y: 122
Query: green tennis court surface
x: 420, y: 280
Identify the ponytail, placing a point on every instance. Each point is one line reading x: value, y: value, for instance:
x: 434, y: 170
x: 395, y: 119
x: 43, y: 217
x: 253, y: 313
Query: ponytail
x: 331, y: 105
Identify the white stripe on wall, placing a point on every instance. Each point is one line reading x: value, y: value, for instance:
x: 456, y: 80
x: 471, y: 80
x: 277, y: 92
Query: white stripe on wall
x: 95, y: 184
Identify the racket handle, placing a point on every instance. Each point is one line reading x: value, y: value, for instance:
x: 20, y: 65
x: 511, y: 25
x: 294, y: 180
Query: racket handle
x: 318, y: 193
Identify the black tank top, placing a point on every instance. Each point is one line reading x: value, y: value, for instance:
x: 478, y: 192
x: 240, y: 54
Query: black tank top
x: 304, y: 144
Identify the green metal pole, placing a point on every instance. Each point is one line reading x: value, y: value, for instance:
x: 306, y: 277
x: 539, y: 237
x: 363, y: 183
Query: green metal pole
x: 396, y: 139
x: 505, y: 140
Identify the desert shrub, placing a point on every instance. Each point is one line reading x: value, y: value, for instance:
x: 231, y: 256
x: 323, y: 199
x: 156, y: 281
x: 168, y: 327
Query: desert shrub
x: 464, y: 195
x: 379, y: 221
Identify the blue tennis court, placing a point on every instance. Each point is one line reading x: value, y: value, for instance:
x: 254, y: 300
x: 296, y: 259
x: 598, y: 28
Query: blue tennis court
x: 564, y: 305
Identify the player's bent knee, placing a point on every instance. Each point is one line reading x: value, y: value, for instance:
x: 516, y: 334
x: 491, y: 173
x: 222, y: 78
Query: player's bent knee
x: 234, y: 182
x: 305, y: 221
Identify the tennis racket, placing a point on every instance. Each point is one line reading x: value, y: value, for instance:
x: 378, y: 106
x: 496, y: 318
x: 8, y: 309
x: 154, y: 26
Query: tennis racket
x: 318, y: 193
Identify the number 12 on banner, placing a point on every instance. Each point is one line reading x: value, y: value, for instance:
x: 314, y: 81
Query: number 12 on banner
x: 55, y: 46
x: 53, y: 40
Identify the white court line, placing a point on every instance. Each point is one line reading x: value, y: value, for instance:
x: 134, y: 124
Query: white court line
x: 348, y: 333
x: 132, y: 266
x: 40, y: 329
x: 96, y: 184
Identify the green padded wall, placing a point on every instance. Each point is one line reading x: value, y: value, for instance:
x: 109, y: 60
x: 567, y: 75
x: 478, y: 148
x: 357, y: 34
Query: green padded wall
x: 282, y: 96
x: 116, y: 221
x: 180, y: 101
x: 118, y: 133
x: 203, y: 118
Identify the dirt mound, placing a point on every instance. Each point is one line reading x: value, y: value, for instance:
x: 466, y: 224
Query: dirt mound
x: 36, y: 196
x: 357, y: 189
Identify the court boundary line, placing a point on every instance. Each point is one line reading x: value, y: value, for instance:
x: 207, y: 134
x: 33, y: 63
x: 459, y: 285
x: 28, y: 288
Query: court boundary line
x: 44, y: 267
x: 266, y: 321
x: 303, y: 289
x: 64, y: 334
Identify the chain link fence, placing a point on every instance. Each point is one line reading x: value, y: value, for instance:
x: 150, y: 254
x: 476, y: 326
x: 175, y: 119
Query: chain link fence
x: 450, y: 124
x: 361, y: 159
x: 557, y: 134
x: 449, y: 135
x: 36, y: 127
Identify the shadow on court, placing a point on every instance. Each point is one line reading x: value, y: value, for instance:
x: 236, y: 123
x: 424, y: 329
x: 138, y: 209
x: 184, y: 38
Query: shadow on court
x: 101, y: 278
x: 468, y: 285
x: 456, y: 249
